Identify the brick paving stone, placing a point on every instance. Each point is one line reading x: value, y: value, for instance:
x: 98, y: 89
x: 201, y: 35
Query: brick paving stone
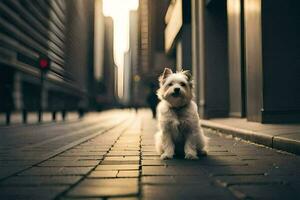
x: 147, y: 148
x: 146, y: 142
x: 175, y: 179
x: 286, y: 159
x: 65, y: 158
x: 151, y: 158
x: 115, y: 148
x: 53, y: 163
x: 109, y: 182
x: 122, y: 158
x: 153, y: 163
x: 103, y: 174
x: 119, y: 162
x: 171, y: 170
x: 220, y: 163
x: 32, y: 193
x: 128, y: 141
x: 251, y: 152
x: 131, y: 173
x: 74, y: 198
x: 156, y: 180
x: 98, y: 144
x: 123, y: 198
x: 242, y: 170
x: 127, y: 144
x: 273, y: 192
x: 117, y: 167
x: 15, y: 163
x: 220, y: 153
x: 149, y: 153
x: 127, y: 148
x: 103, y: 147
x: 205, y: 191
x: 87, y: 151
x: 40, y: 180
x: 104, y: 191
x: 123, y: 153
x: 76, y: 154
x: 253, y: 179
x: 79, y: 158
x: 90, y: 158
x: 56, y: 171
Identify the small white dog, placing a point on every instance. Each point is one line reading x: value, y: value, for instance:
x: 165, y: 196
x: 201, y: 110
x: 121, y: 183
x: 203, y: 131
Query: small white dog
x: 178, y: 120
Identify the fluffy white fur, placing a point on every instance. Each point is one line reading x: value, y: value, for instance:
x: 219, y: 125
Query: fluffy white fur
x: 178, y: 120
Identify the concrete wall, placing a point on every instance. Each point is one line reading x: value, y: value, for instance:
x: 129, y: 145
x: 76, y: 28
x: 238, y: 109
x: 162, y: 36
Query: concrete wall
x: 215, y: 60
x: 272, y: 60
x: 183, y: 48
x: 236, y: 58
x: 281, y: 60
x: 245, y: 57
x: 253, y: 56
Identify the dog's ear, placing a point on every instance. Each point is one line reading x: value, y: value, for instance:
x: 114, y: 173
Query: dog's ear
x: 167, y: 72
x: 188, y: 74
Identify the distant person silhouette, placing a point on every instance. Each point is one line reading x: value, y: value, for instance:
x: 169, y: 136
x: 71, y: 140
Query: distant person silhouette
x: 152, y: 99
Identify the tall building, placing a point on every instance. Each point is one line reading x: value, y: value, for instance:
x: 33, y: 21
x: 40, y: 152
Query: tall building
x: 62, y: 32
x: 178, y: 28
x: 152, y: 59
x: 105, y: 86
x: 134, y: 45
x: 102, y: 79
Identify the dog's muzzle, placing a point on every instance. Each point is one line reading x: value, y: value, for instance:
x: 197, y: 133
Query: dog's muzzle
x: 176, y: 92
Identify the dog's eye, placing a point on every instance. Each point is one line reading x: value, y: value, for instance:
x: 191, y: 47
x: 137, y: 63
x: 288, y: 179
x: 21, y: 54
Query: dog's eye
x: 182, y: 84
x: 170, y: 84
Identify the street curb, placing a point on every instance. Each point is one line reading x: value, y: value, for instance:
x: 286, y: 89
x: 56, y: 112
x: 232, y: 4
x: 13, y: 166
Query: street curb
x: 286, y: 144
x: 275, y: 142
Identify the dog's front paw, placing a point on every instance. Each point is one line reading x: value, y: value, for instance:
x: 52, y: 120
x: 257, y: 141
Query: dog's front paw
x: 191, y: 156
x: 165, y: 156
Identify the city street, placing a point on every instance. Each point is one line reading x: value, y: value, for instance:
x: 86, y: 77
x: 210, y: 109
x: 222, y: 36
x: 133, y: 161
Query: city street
x: 111, y: 155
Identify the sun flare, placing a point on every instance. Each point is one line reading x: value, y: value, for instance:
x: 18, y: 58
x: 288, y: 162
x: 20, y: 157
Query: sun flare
x: 119, y: 11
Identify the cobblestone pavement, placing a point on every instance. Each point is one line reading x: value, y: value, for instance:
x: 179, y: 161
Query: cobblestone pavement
x: 111, y: 156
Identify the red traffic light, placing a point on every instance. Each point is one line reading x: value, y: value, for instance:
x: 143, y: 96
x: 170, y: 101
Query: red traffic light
x: 44, y: 63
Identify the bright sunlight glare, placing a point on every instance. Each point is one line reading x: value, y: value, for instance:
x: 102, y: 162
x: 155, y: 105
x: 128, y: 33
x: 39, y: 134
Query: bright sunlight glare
x: 119, y: 11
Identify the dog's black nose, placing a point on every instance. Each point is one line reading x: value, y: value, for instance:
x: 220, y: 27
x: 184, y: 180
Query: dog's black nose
x: 176, y: 90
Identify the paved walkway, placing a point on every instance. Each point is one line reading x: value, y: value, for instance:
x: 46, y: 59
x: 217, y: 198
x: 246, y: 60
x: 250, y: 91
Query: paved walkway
x: 278, y: 136
x: 111, y: 156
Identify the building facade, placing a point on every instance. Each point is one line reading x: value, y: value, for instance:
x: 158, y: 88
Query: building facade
x: 245, y: 58
x: 105, y: 86
x: 61, y: 31
x: 151, y: 55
